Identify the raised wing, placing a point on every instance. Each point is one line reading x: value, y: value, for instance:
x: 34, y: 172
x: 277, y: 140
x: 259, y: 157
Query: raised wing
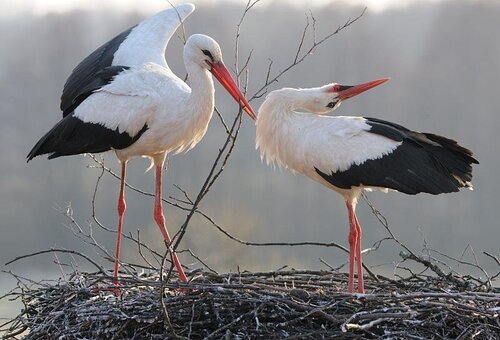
x: 143, y: 43
x: 423, y: 162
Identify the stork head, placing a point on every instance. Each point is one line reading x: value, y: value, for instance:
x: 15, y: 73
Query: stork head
x: 327, y: 98
x: 206, y: 52
x: 202, y: 50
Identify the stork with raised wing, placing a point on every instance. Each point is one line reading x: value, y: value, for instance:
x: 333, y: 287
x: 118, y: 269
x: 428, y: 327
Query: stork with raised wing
x: 352, y: 154
x: 124, y: 97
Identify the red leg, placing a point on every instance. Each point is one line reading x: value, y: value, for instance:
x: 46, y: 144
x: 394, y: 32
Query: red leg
x: 160, y: 221
x: 361, y: 284
x: 122, y: 206
x: 353, y: 238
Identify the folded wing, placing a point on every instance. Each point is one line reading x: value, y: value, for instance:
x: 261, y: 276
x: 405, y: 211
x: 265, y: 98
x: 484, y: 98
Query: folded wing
x: 422, y: 162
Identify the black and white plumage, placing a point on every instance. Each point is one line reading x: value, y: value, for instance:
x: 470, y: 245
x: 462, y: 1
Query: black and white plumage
x: 432, y: 164
x: 124, y: 97
x: 352, y: 154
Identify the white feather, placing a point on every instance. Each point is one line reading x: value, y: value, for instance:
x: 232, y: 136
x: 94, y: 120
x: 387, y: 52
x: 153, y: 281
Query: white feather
x: 146, y: 43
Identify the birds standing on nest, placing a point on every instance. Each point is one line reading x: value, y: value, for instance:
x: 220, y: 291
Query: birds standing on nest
x: 352, y: 154
x: 124, y: 97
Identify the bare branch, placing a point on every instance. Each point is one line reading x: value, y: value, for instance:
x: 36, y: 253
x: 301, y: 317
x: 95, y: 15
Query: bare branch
x: 300, y: 57
x: 183, y: 29
x: 57, y: 250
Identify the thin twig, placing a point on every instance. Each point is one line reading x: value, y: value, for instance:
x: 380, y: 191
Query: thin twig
x: 58, y: 250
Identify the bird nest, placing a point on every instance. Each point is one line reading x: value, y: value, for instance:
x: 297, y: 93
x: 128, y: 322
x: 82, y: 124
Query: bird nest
x: 294, y: 304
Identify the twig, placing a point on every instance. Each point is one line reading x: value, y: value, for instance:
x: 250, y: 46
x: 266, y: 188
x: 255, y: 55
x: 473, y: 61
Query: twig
x: 299, y: 58
x: 57, y: 250
x: 432, y: 267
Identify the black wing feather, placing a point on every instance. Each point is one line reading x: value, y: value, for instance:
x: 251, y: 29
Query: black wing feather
x: 71, y: 136
x: 87, y: 76
x: 424, y: 162
x: 100, y: 79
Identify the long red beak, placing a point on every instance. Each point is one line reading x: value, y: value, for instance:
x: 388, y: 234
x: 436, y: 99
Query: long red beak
x: 347, y: 92
x: 221, y: 73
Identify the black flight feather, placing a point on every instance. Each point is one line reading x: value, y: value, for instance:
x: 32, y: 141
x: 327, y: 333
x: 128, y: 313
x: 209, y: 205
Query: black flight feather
x: 424, y: 162
x: 71, y: 136
x: 78, y: 85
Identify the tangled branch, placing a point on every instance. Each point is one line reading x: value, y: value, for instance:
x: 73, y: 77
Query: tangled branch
x: 305, y: 304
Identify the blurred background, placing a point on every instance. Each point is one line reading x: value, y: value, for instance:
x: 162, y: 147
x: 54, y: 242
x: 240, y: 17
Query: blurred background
x: 444, y: 60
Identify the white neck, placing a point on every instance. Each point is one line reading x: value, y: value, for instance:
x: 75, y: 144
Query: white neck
x: 274, y: 114
x: 294, y: 99
x: 279, y: 106
x: 201, y: 100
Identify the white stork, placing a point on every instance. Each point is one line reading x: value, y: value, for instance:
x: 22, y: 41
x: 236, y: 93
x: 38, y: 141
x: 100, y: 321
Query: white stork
x: 352, y: 154
x: 124, y: 97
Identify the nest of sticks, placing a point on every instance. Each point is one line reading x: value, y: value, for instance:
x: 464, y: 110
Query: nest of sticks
x: 292, y: 304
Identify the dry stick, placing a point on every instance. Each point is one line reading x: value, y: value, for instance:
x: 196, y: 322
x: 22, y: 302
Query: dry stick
x: 300, y: 58
x: 235, y: 321
x: 20, y: 282
x: 58, y: 262
x: 180, y: 20
x: 492, y: 256
x: 222, y: 120
x: 281, y: 244
x: 375, y: 246
x: 332, y: 268
x: 88, y: 238
x: 433, y: 267
x: 191, y: 322
x: 19, y: 331
x: 367, y: 326
x: 248, y: 7
x: 410, y: 254
x: 212, y: 221
x: 381, y: 218
x: 476, y: 265
x: 259, y: 244
x: 492, y: 278
x: 166, y: 317
x: 53, y: 250
x: 202, y: 262
x: 140, y: 251
x: 79, y: 233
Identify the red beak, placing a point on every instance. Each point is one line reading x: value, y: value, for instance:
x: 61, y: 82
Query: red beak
x: 347, y: 92
x: 221, y: 73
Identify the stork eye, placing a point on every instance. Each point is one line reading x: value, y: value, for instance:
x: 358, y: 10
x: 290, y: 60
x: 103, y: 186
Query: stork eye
x: 208, y: 54
x: 331, y: 105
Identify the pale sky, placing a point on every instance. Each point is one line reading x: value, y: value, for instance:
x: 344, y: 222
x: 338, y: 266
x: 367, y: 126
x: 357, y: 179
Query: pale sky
x: 41, y: 7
